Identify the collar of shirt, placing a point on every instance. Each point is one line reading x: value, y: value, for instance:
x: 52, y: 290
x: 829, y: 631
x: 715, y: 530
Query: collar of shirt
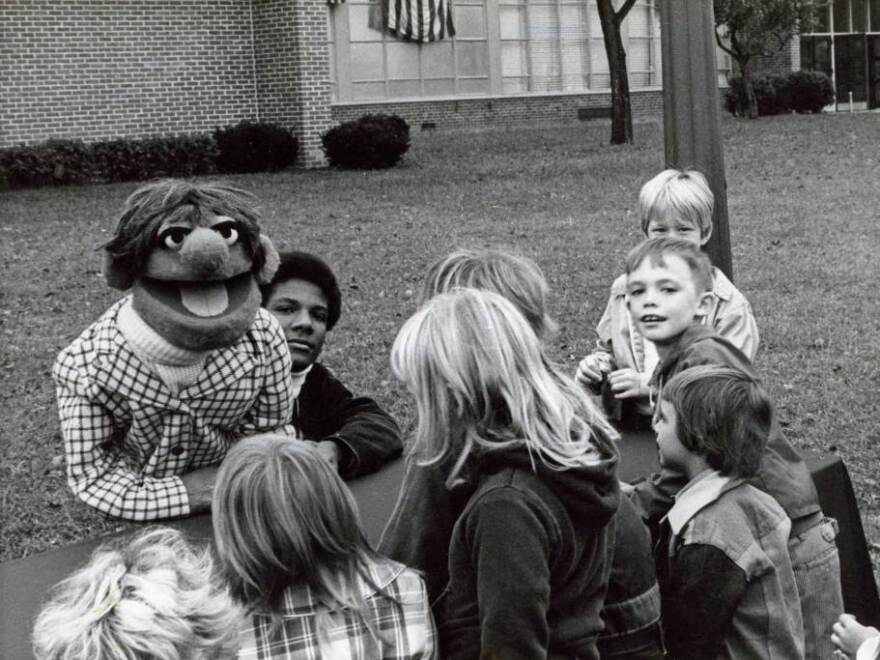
x: 117, y: 368
x: 303, y: 602
x: 700, y: 492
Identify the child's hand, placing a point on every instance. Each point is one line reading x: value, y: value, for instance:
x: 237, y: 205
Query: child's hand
x: 848, y: 634
x: 628, y: 383
x: 328, y: 451
x: 592, y: 369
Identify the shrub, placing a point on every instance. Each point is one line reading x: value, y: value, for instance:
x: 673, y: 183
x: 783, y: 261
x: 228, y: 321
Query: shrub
x: 771, y: 93
x: 810, y: 91
x: 53, y: 162
x: 136, y: 160
x: 254, y: 147
x: 371, y: 142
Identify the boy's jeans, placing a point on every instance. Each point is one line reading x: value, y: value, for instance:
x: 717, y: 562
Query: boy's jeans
x: 817, y: 574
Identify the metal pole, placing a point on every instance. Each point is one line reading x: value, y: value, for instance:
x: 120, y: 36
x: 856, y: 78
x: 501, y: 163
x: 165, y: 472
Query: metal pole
x: 691, y: 108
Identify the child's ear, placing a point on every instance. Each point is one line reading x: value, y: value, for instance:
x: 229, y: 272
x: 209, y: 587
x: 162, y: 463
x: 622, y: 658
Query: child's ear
x: 271, y: 263
x: 116, y: 276
x: 704, y: 304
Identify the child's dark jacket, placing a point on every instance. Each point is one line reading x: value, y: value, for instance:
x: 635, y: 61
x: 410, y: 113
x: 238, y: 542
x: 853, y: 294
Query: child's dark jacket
x: 366, y: 435
x: 782, y: 473
x: 529, y: 559
x: 420, y: 528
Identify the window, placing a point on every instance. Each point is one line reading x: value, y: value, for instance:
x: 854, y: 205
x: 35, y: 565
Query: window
x: 500, y: 47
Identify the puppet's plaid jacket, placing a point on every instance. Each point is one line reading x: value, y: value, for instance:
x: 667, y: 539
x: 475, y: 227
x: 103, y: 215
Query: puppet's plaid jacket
x: 127, y: 437
x: 398, y: 612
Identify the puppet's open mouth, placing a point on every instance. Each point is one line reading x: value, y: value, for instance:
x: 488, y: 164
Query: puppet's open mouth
x: 202, y: 299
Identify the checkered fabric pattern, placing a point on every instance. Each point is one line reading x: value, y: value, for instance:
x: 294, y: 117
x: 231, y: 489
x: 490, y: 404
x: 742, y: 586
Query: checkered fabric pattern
x: 399, y: 613
x: 127, y: 437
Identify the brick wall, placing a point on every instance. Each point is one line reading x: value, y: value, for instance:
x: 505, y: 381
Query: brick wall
x: 97, y: 69
x: 469, y: 113
x: 292, y: 64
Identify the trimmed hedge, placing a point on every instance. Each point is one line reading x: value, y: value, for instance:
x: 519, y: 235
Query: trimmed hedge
x: 800, y: 91
x: 369, y: 143
x: 254, y: 147
x: 258, y: 147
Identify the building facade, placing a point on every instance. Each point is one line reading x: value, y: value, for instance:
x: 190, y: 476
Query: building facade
x: 98, y: 69
x: 845, y: 44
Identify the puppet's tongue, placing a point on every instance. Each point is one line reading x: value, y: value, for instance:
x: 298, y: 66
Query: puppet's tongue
x: 204, y: 298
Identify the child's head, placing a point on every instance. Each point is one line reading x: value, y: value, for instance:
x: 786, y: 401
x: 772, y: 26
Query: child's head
x: 304, y: 297
x: 154, y: 598
x: 677, y: 203
x: 481, y: 381
x: 517, y: 278
x: 721, y: 414
x: 668, y: 287
x: 283, y: 517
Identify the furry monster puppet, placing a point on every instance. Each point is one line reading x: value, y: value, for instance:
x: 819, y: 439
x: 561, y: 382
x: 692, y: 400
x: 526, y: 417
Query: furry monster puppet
x: 153, y: 393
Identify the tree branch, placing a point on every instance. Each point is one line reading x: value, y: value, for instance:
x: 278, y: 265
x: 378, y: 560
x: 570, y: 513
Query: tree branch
x: 621, y: 13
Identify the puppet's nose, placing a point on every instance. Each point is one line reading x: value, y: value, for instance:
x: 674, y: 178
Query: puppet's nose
x: 204, y: 252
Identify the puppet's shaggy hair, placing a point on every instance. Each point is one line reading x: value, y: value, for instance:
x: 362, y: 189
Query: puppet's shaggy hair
x: 174, y: 200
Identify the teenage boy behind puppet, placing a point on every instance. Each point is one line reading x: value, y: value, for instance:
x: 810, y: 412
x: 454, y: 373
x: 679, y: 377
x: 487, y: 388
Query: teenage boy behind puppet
x: 668, y: 288
x: 726, y: 580
x: 354, y: 433
x: 675, y: 204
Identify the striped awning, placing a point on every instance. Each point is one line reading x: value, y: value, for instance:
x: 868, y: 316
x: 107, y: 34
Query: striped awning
x: 415, y: 20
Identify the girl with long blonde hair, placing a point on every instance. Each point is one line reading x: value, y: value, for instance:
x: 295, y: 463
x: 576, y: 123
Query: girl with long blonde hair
x: 529, y: 551
x: 294, y: 554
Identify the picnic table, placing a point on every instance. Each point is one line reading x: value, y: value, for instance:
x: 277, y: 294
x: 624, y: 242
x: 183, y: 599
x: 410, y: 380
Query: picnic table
x: 24, y: 582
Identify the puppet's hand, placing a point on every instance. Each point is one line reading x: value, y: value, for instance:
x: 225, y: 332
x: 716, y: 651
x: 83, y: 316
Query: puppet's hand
x: 328, y: 450
x: 200, y: 488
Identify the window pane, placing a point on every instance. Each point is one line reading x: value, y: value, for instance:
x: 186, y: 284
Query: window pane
x: 841, y: 15
x: 469, y: 21
x: 637, y: 21
x: 858, y: 15
x: 598, y: 60
x: 366, y: 62
x: 514, y: 59
x: 437, y: 60
x: 444, y: 87
x: 823, y: 19
x: 401, y: 89
x: 473, y: 86
x: 875, y: 15
x: 362, y: 91
x: 513, y: 21
x: 403, y: 60
x: 358, y: 23
x: 573, y: 66
x: 515, y: 85
x: 572, y: 22
x: 638, y: 60
x: 472, y: 58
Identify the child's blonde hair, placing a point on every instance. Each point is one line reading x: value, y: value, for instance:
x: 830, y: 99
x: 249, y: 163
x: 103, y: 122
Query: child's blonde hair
x: 284, y: 518
x: 682, y: 193
x: 153, y: 598
x: 517, y: 278
x: 481, y: 381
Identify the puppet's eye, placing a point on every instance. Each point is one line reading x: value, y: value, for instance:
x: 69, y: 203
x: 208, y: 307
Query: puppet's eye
x: 228, y: 231
x: 173, y: 237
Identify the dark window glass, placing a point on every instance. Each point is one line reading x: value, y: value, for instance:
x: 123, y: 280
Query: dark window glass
x: 875, y: 15
x: 858, y: 15
x: 841, y: 15
x: 822, y: 18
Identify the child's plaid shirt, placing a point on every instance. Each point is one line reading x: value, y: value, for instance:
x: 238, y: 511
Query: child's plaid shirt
x: 127, y: 437
x: 398, y: 612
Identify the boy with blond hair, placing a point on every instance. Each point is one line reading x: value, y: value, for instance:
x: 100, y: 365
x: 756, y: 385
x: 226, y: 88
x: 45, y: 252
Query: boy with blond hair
x: 726, y: 579
x: 668, y: 289
x: 677, y: 204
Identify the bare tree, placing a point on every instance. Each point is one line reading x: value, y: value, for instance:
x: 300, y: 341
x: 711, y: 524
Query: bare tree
x: 621, y: 109
x: 746, y: 29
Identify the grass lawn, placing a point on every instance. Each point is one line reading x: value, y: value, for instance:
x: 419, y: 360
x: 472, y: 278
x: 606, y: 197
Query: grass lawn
x: 803, y: 199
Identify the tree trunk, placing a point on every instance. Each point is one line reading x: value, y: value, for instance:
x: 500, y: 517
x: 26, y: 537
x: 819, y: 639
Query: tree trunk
x: 749, y: 89
x: 621, y: 112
